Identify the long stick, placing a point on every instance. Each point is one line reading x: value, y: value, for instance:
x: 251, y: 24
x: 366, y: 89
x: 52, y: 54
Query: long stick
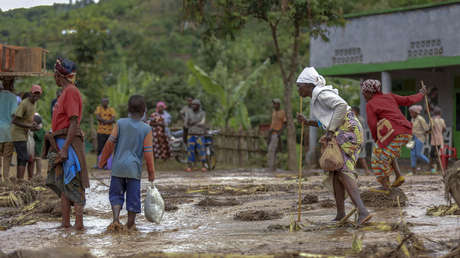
x: 432, y: 127
x: 1, y: 168
x: 299, y: 211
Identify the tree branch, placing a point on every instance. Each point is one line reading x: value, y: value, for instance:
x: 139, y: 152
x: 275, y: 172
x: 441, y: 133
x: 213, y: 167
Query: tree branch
x: 273, y: 27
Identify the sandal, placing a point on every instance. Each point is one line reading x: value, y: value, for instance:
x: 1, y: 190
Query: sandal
x: 365, y: 220
x: 380, y: 190
x: 398, y: 182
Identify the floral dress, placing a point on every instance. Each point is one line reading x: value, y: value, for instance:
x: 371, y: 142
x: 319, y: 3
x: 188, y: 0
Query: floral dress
x: 160, y: 144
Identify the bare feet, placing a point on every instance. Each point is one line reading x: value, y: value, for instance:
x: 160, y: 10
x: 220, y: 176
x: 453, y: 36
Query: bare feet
x: 115, y: 227
x: 78, y: 227
x: 339, y: 217
x: 64, y: 225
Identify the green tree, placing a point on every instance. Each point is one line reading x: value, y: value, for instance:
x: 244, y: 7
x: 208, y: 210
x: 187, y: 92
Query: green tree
x: 223, y: 18
x: 232, y: 111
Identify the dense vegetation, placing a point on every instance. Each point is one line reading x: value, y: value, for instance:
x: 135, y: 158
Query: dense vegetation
x: 124, y: 47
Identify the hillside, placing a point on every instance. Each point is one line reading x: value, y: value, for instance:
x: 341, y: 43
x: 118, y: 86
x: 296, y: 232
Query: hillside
x: 124, y: 47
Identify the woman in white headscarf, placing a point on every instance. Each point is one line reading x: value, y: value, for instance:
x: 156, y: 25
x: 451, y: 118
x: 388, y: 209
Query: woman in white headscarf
x: 331, y: 113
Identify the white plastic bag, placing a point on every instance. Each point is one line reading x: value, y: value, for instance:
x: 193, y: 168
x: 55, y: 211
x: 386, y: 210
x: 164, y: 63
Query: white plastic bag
x: 30, y: 144
x: 154, y: 205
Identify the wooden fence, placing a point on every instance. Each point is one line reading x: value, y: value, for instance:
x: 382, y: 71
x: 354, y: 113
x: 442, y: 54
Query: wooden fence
x: 240, y: 148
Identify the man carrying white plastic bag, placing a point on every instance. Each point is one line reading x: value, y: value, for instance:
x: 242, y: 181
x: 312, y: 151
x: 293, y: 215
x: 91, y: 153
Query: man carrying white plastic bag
x: 130, y: 142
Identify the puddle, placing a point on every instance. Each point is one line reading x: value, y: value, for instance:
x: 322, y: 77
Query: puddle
x: 189, y: 228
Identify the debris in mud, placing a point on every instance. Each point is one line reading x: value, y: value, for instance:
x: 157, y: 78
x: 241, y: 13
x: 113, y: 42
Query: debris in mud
x: 221, y: 189
x: 309, y: 199
x: 16, y: 193
x: 116, y: 228
x: 328, y: 203
x: 380, y: 199
x: 257, y: 215
x: 454, y: 253
x: 170, y: 207
x: 208, y: 202
x: 26, y: 201
x: 57, y: 252
x: 220, y: 255
x: 241, y: 189
x: 443, y: 210
x: 277, y: 227
x: 452, y: 185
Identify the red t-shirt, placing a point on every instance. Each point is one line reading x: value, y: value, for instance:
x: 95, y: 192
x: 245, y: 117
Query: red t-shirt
x: 68, y: 105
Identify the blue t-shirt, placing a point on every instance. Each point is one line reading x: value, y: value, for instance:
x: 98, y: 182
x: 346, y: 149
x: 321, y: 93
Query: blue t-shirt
x: 8, y: 105
x: 129, y: 149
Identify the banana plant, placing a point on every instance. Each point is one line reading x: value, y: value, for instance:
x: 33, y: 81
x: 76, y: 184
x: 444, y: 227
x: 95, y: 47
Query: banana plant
x: 232, y: 110
x: 128, y: 82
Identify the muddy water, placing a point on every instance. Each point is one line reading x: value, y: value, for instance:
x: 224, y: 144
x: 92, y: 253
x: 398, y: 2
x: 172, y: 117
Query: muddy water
x: 194, y: 229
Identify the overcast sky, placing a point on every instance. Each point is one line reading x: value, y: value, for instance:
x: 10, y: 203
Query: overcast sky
x: 12, y: 4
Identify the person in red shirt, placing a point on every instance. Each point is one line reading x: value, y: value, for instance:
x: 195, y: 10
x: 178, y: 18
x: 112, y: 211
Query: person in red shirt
x: 389, y: 128
x: 68, y: 138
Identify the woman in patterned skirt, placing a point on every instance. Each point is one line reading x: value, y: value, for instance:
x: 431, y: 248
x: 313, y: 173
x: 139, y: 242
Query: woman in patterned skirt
x: 389, y: 128
x: 333, y: 114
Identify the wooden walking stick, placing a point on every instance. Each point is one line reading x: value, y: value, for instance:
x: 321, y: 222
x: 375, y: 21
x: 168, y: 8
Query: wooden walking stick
x: 299, y: 211
x: 432, y: 127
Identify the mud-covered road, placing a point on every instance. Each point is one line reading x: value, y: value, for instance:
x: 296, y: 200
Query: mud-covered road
x: 209, y: 213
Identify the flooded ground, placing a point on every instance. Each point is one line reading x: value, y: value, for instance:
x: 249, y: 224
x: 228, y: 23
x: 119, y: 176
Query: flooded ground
x: 205, y: 211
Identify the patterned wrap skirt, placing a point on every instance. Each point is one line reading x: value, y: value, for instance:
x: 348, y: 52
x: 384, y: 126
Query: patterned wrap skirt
x: 382, y: 158
x: 349, y: 137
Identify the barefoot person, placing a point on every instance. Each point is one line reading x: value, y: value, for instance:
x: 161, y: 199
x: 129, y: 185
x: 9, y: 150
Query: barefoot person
x: 68, y: 139
x: 8, y: 105
x: 333, y: 114
x: 23, y: 123
x: 130, y: 141
x: 389, y: 128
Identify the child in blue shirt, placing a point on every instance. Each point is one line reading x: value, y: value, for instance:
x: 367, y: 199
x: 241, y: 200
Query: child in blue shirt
x: 130, y: 142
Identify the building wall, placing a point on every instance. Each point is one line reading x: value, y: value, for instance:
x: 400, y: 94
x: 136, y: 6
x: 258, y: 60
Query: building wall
x: 443, y: 80
x: 391, y: 37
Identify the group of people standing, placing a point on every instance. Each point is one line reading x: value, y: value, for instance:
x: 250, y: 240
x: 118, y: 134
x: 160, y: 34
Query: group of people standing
x: 21, y: 130
x: 192, y: 114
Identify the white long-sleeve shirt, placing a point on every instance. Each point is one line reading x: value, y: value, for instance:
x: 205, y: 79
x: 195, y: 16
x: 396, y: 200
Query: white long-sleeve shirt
x: 328, y: 107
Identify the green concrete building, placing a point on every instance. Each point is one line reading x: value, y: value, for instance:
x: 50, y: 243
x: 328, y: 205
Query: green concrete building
x: 400, y: 47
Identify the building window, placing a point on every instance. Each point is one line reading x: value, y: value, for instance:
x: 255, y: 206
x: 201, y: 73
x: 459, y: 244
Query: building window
x: 423, y: 48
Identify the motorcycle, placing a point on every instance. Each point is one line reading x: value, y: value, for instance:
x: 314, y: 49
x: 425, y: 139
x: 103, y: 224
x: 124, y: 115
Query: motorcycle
x: 179, y: 148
